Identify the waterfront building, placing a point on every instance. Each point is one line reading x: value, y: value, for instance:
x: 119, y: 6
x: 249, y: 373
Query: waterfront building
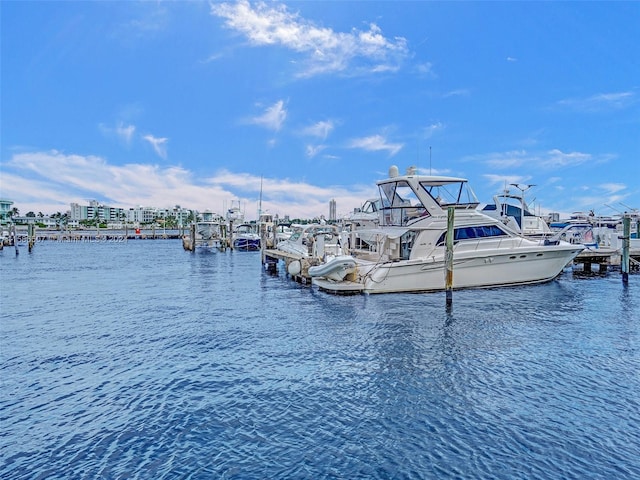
x: 5, y: 209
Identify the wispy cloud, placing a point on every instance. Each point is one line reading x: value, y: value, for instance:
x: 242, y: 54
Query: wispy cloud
x: 426, y: 69
x: 612, y: 187
x: 159, y: 145
x: 320, y: 129
x: 550, y: 160
x: 600, y: 102
x: 375, y: 143
x: 147, y: 19
x: 460, y: 92
x: 432, y: 129
x: 504, y: 180
x: 313, y: 150
x: 272, y: 118
x: 323, y: 50
x: 124, y: 133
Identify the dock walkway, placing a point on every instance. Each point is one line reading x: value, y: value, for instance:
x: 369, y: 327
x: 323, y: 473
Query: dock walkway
x: 606, y: 258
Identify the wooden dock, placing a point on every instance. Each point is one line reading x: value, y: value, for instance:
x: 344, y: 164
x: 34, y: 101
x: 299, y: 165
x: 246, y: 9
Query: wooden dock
x: 605, y: 258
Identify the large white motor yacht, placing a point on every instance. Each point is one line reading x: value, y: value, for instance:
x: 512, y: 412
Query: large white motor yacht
x: 407, y: 250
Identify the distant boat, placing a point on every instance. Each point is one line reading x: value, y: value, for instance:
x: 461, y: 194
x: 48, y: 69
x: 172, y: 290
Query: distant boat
x: 245, y: 238
x: 312, y: 240
x: 209, y: 226
x: 409, y: 254
x: 209, y: 232
x: 234, y: 214
x: 366, y: 216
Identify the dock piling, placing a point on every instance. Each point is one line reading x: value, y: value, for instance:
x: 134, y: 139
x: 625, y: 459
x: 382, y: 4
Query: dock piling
x: 448, y: 284
x: 626, y: 235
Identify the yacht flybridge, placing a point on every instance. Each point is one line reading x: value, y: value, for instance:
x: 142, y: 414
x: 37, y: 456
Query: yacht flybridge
x: 406, y: 251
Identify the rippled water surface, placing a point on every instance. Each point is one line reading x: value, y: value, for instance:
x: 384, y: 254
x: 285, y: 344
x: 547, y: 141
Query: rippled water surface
x: 141, y: 360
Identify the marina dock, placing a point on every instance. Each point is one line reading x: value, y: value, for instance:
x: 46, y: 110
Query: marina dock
x: 606, y: 258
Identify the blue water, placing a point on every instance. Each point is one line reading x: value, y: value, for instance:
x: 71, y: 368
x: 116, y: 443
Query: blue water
x: 141, y: 360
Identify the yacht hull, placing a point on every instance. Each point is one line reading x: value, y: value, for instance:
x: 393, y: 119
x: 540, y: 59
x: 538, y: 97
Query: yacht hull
x: 477, y: 271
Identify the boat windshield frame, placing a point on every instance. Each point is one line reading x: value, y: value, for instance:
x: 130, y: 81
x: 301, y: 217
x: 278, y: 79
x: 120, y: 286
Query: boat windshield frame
x: 405, y: 201
x: 454, y: 193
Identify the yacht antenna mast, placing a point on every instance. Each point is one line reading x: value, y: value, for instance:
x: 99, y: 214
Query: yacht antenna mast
x: 429, y: 159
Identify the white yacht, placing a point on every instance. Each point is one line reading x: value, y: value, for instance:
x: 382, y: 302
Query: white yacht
x: 408, y: 254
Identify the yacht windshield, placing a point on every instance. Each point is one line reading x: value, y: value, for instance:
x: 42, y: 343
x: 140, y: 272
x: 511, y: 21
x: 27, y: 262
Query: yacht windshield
x: 458, y: 193
x: 400, y: 205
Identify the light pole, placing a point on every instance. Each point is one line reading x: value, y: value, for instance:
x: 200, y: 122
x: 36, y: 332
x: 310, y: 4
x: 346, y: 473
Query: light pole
x: 522, y: 190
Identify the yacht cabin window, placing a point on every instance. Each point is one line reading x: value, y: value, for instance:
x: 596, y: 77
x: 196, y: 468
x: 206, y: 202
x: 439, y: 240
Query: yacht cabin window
x: 473, y: 233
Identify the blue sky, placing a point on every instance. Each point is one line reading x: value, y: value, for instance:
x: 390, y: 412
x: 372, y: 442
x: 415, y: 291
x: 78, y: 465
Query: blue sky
x: 200, y: 104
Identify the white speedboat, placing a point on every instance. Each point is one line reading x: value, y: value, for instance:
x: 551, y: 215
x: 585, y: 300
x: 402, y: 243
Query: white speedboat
x: 209, y: 226
x: 312, y: 241
x: 208, y: 232
x: 365, y: 216
x: 408, y: 254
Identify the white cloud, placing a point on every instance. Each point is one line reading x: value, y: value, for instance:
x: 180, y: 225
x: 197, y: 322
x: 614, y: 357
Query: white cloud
x: 430, y: 130
x: 376, y: 143
x: 159, y: 145
x: 49, y: 181
x: 320, y: 129
x: 460, y: 92
x: 272, y: 118
x: 125, y: 132
x: 549, y: 160
x: 556, y: 159
x: 504, y: 181
x: 612, y: 187
x: 600, y: 102
x: 513, y: 158
x: 313, y: 150
x: 323, y: 49
x: 426, y: 69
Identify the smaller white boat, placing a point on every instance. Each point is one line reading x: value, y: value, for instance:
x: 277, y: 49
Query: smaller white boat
x: 577, y: 234
x: 366, y: 216
x: 207, y: 232
x: 209, y: 226
x: 312, y: 241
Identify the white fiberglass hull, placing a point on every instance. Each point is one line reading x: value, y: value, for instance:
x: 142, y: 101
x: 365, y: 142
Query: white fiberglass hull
x: 469, y: 271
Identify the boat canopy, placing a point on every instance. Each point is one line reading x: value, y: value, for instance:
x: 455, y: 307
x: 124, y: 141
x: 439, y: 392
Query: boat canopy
x: 408, y: 199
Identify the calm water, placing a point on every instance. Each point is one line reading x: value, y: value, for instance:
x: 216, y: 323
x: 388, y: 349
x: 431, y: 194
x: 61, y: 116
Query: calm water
x: 140, y: 360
